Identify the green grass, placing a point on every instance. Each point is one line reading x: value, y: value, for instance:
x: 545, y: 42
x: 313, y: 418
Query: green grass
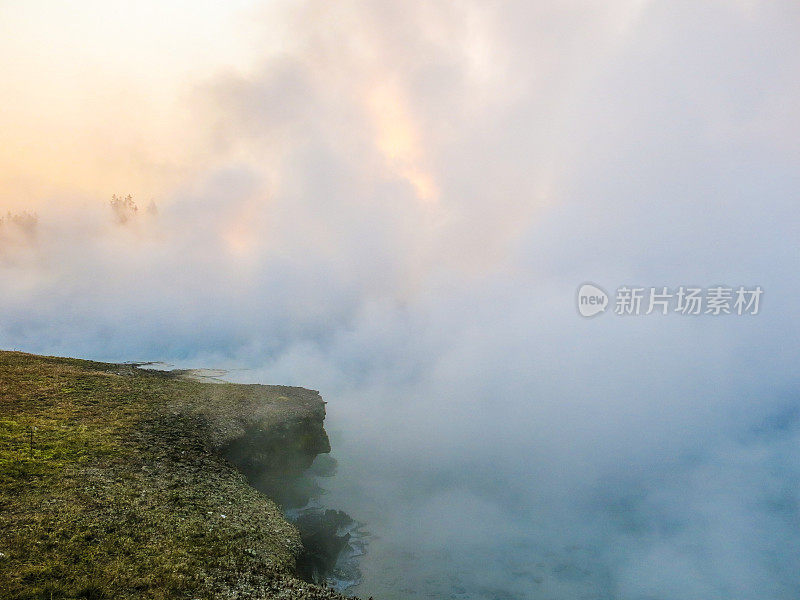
x: 121, y: 492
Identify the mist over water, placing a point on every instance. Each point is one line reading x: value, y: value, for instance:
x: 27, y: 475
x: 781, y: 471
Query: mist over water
x: 401, y: 221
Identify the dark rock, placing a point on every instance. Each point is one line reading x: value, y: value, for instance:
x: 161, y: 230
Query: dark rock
x: 323, y: 541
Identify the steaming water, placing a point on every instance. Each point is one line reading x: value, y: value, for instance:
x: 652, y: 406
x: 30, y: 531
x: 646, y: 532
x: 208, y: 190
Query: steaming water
x: 481, y: 528
x: 436, y: 532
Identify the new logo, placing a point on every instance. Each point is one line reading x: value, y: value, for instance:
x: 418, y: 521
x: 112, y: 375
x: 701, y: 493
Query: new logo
x: 592, y: 300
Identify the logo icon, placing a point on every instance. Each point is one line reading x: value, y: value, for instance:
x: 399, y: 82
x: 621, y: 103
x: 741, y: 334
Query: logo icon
x: 592, y: 300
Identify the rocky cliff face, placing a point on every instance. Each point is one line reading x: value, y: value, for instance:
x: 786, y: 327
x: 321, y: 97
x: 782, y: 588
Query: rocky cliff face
x: 275, y: 441
x: 282, y: 435
x: 272, y: 436
x: 271, y: 433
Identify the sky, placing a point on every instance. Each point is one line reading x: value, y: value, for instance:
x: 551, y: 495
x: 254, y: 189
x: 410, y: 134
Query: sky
x: 395, y: 203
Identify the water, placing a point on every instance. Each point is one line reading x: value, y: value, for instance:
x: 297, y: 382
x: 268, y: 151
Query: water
x: 444, y: 541
x: 432, y: 533
x: 489, y: 519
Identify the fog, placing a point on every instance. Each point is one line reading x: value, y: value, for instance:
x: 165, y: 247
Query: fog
x: 397, y: 206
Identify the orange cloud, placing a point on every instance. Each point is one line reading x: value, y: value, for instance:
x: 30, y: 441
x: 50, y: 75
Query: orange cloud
x: 399, y: 140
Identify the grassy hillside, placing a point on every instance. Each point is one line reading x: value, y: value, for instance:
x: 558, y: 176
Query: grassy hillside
x: 113, y: 485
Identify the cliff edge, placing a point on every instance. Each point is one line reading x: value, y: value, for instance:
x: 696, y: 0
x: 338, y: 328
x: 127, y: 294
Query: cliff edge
x: 118, y: 482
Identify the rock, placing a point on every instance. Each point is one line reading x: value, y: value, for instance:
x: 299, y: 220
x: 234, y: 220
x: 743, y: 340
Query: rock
x: 324, y: 466
x: 322, y: 542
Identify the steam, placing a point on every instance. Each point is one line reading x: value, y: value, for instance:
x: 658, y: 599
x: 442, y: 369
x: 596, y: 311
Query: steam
x: 397, y: 208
